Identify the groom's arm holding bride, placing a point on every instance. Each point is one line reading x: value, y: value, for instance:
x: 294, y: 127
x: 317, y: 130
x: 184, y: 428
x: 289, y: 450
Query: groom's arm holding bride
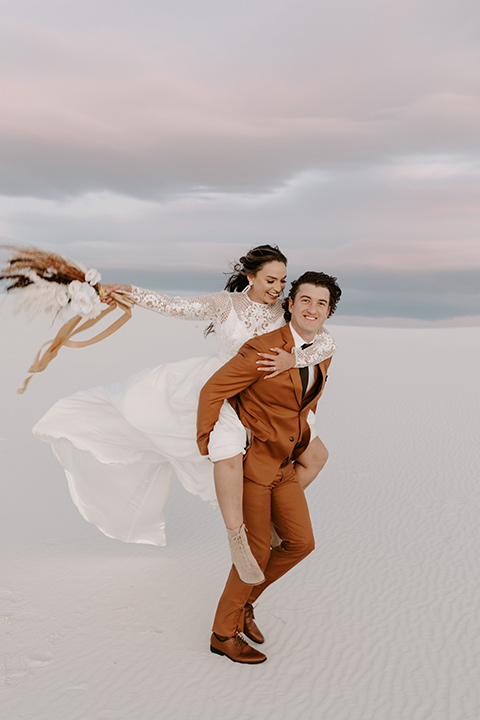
x: 231, y: 379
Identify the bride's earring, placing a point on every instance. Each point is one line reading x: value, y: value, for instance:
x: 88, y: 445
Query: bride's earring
x: 247, y: 287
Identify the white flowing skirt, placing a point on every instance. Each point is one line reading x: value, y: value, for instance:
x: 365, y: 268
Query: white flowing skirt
x: 120, y: 446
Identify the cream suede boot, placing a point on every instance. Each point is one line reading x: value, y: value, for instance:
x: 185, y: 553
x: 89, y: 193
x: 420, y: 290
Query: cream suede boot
x: 242, y: 557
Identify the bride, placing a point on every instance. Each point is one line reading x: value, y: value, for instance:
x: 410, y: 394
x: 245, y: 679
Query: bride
x: 120, y: 445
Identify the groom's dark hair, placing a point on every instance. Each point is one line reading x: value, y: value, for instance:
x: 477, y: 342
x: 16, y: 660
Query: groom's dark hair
x: 319, y: 279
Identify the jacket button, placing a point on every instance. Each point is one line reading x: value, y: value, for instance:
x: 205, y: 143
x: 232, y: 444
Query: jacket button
x: 292, y: 439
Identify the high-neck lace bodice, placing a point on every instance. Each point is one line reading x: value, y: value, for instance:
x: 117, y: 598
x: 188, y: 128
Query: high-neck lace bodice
x: 235, y: 319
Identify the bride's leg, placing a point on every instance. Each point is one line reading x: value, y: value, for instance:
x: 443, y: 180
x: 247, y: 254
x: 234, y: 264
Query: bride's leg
x: 228, y: 476
x: 310, y: 462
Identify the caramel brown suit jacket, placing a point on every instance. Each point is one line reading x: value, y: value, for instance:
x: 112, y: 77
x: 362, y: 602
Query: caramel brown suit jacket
x: 273, y: 409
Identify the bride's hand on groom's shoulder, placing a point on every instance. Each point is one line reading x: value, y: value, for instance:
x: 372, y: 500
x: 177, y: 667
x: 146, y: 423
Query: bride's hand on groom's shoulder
x: 275, y: 364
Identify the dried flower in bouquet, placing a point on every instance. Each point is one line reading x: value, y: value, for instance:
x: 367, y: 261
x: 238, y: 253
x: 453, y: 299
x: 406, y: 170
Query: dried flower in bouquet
x: 51, y: 283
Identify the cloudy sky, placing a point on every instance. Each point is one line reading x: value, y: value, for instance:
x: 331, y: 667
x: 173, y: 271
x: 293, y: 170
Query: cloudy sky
x: 159, y: 140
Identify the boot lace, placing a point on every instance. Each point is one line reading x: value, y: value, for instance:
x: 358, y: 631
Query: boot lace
x: 240, y: 540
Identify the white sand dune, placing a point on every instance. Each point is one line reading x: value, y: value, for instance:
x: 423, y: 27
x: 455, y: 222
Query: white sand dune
x: 379, y: 623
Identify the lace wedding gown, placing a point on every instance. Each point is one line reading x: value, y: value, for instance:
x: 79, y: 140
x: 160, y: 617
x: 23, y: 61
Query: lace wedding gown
x: 120, y: 445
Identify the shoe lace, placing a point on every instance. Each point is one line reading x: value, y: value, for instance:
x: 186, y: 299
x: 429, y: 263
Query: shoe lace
x: 240, y: 640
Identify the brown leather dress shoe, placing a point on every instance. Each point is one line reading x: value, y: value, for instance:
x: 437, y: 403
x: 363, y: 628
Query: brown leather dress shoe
x: 250, y: 628
x: 236, y: 649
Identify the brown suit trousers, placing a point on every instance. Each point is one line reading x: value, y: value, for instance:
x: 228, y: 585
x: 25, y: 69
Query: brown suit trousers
x: 283, y: 501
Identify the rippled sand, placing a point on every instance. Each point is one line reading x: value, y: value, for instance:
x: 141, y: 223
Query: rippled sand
x: 379, y: 623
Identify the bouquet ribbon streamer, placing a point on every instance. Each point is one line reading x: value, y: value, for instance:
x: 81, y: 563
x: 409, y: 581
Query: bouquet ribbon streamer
x: 72, y: 327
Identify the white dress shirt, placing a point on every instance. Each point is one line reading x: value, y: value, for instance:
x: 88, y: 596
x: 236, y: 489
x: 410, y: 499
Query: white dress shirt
x: 299, y: 341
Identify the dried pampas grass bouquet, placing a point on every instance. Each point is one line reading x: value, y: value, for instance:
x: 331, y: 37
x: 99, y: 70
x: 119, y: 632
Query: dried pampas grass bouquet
x: 46, y: 282
x: 51, y: 283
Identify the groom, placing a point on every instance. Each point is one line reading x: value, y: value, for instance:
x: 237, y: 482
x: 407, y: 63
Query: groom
x: 274, y: 411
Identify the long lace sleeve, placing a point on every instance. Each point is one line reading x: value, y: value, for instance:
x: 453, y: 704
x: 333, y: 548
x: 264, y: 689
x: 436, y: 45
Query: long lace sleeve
x: 322, y: 348
x: 204, y: 307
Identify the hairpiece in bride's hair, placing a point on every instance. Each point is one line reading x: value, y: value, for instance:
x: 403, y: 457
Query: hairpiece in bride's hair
x: 47, y: 282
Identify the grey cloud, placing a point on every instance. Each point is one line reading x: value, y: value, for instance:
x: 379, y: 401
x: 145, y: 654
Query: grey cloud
x: 253, y: 161
x: 342, y: 219
x: 155, y: 100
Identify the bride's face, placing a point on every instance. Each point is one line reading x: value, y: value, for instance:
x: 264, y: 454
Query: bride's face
x: 268, y: 283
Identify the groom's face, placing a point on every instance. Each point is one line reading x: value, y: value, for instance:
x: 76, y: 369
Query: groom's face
x: 309, y: 310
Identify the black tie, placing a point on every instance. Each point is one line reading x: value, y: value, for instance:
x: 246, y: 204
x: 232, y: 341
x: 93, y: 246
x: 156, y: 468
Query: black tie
x: 304, y: 373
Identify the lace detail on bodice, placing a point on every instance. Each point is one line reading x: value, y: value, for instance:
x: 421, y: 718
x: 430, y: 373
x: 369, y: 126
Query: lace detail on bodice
x: 247, y: 319
x: 235, y: 319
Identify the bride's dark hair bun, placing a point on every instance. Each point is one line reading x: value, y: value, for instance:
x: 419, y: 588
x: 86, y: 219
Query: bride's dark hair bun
x: 250, y: 264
